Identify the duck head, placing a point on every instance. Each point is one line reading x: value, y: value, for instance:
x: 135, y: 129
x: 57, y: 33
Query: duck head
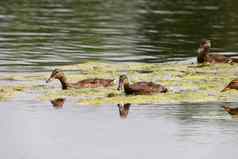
x: 122, y: 80
x: 205, y: 45
x: 56, y: 74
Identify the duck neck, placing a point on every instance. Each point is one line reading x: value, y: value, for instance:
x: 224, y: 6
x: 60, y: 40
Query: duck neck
x: 126, y: 86
x: 204, y: 51
x: 64, y: 83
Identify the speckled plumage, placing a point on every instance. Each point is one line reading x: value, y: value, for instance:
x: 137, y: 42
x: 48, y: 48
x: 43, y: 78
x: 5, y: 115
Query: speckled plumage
x: 140, y: 88
x: 87, y: 83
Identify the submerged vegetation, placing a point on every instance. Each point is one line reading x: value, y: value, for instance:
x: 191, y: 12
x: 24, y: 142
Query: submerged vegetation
x: 187, y: 83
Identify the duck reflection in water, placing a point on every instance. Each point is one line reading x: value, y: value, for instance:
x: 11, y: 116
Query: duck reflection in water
x: 58, y: 102
x: 124, y: 110
x: 231, y: 111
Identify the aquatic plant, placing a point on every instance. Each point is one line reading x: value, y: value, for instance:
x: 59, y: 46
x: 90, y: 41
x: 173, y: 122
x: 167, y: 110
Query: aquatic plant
x: 187, y: 83
x: 8, y: 92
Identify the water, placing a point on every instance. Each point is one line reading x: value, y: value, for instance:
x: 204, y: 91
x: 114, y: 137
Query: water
x: 39, y: 130
x: 36, y: 34
x: 40, y: 33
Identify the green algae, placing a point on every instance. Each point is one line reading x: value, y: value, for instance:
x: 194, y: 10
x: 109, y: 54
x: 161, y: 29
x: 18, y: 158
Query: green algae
x: 85, y: 93
x: 187, y: 83
x: 8, y: 92
x: 153, y: 99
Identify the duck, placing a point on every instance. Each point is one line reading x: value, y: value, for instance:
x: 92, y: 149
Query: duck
x: 140, y: 88
x: 232, y: 85
x: 123, y: 110
x: 58, y: 102
x: 204, y: 55
x: 231, y: 111
x: 86, y: 83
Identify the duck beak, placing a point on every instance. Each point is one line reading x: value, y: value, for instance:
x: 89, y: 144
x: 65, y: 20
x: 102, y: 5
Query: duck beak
x: 225, y: 89
x: 48, y: 80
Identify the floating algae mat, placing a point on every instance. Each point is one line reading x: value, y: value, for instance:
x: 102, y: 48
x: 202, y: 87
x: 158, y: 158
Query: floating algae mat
x: 7, y: 92
x: 187, y: 83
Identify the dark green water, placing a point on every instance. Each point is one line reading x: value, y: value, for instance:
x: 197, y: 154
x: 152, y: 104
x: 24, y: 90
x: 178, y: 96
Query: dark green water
x: 40, y: 33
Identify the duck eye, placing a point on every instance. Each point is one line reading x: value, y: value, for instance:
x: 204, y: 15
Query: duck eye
x: 56, y: 71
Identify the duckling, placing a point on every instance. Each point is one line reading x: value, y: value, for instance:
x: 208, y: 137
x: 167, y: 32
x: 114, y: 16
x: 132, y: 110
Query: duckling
x: 231, y: 111
x: 87, y: 83
x: 140, y: 88
x: 205, y: 57
x: 232, y: 85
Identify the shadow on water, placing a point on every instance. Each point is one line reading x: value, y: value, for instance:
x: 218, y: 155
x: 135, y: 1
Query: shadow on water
x: 185, y: 128
x: 186, y: 113
x: 123, y: 110
x: 232, y: 111
x: 58, y: 103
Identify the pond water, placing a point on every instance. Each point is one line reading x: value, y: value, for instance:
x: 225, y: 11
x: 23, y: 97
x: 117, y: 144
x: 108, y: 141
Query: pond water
x: 39, y: 130
x: 40, y: 33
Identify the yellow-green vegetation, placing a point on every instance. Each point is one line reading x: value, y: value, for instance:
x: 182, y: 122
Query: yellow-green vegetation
x: 86, y: 93
x: 7, y: 92
x: 187, y: 83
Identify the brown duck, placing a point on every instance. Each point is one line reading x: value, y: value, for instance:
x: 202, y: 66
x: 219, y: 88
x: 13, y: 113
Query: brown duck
x: 140, y: 88
x: 231, y: 111
x: 204, y: 55
x: 87, y: 83
x: 232, y: 85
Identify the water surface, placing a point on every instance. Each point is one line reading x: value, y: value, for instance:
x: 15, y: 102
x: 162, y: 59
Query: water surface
x: 39, y: 130
x: 36, y: 34
x: 40, y: 33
